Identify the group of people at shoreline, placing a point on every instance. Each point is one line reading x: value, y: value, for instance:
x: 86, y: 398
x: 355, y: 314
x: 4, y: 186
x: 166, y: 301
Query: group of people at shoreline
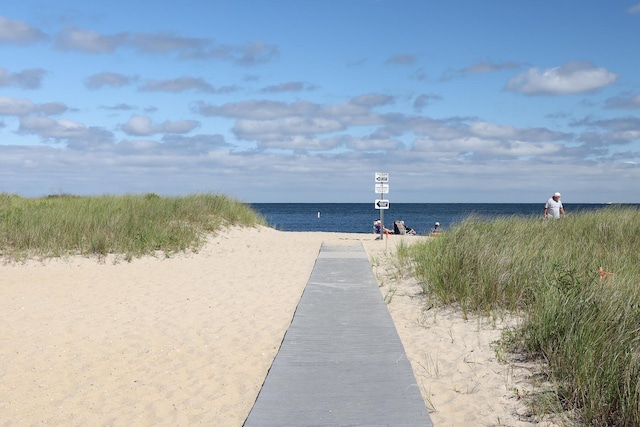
x: 552, y: 209
x: 399, y: 227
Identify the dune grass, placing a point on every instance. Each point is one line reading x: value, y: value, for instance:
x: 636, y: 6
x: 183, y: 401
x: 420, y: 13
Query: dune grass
x: 584, y: 325
x: 133, y: 225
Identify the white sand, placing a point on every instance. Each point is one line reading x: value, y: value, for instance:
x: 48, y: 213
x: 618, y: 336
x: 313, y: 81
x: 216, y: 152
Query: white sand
x: 188, y: 340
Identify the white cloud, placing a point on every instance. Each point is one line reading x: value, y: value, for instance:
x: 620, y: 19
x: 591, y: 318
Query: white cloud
x: 143, y: 126
x: 285, y: 87
x: 401, y: 59
x: 27, y: 79
x: 257, y: 109
x: 50, y: 128
x: 476, y: 147
x: 100, y: 80
x: 627, y: 100
x: 15, y: 107
x: 280, y: 128
x: 164, y: 42
x: 179, y: 84
x: 139, y: 125
x: 481, y: 67
x: 18, y: 32
x: 489, y: 130
x: 573, y: 77
x: 89, y: 41
x: 301, y: 143
x: 178, y: 126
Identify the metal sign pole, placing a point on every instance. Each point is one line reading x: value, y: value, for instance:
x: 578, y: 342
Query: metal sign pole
x: 382, y: 233
x: 381, y: 179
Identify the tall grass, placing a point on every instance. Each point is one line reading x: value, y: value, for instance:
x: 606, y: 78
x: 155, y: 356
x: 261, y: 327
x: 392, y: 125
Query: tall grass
x: 132, y: 224
x: 586, y: 326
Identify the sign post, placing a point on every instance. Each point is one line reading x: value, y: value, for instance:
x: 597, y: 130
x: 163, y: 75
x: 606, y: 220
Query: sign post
x: 382, y: 187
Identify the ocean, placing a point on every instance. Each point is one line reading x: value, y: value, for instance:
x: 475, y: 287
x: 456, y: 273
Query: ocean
x: 359, y: 217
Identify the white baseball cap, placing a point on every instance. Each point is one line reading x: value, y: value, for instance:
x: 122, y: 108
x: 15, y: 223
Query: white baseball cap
x: 556, y: 194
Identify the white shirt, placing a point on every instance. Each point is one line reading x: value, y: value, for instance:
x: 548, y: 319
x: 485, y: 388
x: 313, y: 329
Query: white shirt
x: 553, y: 207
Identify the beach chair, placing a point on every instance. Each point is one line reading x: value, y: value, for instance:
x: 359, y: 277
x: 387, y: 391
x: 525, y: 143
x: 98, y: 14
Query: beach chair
x: 398, y: 228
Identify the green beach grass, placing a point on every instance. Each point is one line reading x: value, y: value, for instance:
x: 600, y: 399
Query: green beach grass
x: 133, y: 225
x: 585, y: 325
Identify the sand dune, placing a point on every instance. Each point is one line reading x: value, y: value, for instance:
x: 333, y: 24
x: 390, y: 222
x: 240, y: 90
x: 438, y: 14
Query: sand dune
x: 188, y: 340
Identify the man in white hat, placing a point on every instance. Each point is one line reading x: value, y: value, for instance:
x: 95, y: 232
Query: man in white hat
x: 435, y: 230
x: 553, y: 207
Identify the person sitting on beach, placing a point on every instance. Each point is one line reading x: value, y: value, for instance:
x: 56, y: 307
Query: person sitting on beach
x: 399, y: 227
x: 378, y: 227
x: 407, y: 229
x: 435, y: 230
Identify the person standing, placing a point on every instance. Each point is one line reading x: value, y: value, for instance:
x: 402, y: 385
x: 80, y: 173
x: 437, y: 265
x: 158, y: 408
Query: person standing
x: 554, y: 207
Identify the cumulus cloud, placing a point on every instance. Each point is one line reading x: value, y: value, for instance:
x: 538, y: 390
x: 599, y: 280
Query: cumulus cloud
x: 481, y: 67
x: 107, y: 79
x: 15, y: 107
x: 617, y: 124
x: 279, y: 128
x: 401, y: 59
x: 179, y: 84
x: 483, y: 148
x: 47, y: 127
x: 51, y: 108
x: 88, y: 41
x: 19, y: 32
x: 301, y: 143
x: 273, y: 123
x: 573, y: 77
x: 196, y: 143
x: 85, y: 40
x: 488, y: 67
x: 489, y: 130
x: 304, y: 126
x: 143, y: 126
x: 424, y: 100
x: 373, y: 144
x: 119, y: 107
x: 254, y: 53
x: 26, y: 79
x: 371, y: 100
x: 165, y: 42
x: 624, y: 101
x: 257, y: 109
x: 249, y: 54
x: 286, y: 87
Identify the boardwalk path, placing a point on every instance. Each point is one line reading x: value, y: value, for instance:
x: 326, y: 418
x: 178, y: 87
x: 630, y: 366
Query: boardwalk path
x: 341, y: 362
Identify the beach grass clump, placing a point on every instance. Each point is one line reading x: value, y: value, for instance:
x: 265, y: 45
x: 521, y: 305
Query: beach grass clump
x: 135, y: 225
x: 576, y: 284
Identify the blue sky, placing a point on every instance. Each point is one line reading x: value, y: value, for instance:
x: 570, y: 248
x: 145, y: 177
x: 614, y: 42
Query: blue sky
x: 304, y: 101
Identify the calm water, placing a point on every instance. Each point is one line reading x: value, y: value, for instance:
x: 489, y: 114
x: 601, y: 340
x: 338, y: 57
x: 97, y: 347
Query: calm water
x: 359, y: 217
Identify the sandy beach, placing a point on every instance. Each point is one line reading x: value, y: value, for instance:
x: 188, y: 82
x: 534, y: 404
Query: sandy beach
x: 188, y: 340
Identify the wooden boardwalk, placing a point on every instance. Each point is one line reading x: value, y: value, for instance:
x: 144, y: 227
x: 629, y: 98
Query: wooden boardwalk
x: 341, y: 362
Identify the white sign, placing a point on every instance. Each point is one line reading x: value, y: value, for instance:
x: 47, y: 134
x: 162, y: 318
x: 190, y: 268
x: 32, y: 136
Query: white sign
x: 382, y: 204
x: 382, y: 188
x: 382, y: 177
